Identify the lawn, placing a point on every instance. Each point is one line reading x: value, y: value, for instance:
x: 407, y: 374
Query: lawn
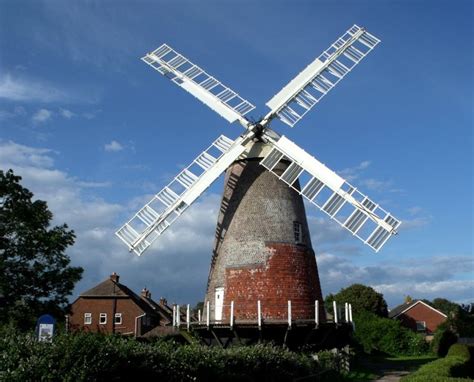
x: 369, y: 368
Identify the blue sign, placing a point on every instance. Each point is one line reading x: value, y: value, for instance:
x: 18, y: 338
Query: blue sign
x: 45, y: 328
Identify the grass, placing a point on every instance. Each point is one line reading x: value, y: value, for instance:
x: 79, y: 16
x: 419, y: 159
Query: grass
x: 369, y: 368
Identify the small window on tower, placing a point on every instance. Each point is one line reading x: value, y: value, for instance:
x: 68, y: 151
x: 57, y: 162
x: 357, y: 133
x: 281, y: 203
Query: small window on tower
x: 298, y: 232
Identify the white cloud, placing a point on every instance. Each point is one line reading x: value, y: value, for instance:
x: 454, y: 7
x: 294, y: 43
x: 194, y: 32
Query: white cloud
x: 376, y: 185
x: 28, y: 89
x: 414, y: 210
x: 90, y: 114
x: 68, y: 114
x: 16, y: 155
x: 18, y: 111
x: 429, y: 278
x: 42, y: 115
x: 113, y: 146
x: 19, y: 89
x: 352, y: 173
x: 416, y: 222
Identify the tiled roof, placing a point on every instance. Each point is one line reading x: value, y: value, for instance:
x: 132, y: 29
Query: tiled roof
x: 404, y: 307
x: 110, y: 288
x: 163, y: 310
x: 400, y: 308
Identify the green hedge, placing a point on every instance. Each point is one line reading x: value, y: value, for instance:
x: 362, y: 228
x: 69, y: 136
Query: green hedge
x: 377, y: 334
x: 90, y: 357
x: 454, y: 367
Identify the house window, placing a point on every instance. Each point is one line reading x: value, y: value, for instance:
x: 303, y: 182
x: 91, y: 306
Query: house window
x: 103, y: 318
x: 420, y: 326
x: 87, y: 318
x: 298, y: 232
x: 118, y: 318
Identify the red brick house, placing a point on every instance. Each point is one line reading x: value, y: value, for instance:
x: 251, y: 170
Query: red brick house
x: 418, y: 316
x: 111, y: 307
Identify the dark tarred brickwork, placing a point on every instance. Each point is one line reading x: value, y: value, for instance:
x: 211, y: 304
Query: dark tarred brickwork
x: 256, y: 255
x: 289, y: 274
x: 421, y: 312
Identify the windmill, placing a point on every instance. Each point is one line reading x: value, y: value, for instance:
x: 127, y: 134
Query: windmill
x: 262, y: 248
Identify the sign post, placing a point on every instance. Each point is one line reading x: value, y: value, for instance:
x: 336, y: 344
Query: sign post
x: 45, y: 328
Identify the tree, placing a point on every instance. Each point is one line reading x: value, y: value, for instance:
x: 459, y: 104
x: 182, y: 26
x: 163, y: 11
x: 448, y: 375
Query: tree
x: 363, y: 298
x: 446, y: 306
x: 35, y: 275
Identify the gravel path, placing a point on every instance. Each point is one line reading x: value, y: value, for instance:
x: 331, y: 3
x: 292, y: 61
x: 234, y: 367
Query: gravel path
x: 392, y: 376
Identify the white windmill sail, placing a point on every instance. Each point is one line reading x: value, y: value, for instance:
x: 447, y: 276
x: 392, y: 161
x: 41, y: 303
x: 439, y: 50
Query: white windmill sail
x: 320, y: 185
x: 330, y: 193
x: 200, y: 84
x: 168, y: 204
x: 299, y: 96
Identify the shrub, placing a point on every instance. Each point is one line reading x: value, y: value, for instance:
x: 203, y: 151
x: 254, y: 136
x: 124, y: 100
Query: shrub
x: 442, y: 340
x: 455, y: 364
x: 459, y: 350
x: 375, y: 333
x: 95, y: 357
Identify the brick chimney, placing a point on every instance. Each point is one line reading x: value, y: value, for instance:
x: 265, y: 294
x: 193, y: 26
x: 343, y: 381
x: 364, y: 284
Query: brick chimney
x: 146, y: 293
x: 114, y: 277
x: 163, y: 301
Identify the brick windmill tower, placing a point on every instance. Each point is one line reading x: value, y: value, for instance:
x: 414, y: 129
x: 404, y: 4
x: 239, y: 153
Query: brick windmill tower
x: 263, y: 248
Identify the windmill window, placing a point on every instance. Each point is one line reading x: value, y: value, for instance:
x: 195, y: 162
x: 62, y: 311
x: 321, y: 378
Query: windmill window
x: 298, y: 232
x: 103, y: 318
x: 87, y: 318
x: 118, y: 318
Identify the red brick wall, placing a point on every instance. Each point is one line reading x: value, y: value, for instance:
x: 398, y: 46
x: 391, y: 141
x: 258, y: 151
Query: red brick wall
x: 289, y: 274
x: 421, y: 312
x: 96, y: 306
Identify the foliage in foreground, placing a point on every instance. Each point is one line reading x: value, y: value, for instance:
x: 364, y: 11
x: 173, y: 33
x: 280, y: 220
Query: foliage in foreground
x: 377, y: 334
x: 91, y: 357
x: 454, y: 367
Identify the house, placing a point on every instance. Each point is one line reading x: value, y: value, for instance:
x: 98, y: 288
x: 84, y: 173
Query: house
x: 111, y: 307
x: 418, y: 316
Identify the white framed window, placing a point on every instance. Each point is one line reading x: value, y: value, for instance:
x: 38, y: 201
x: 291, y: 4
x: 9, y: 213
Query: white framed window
x: 298, y: 232
x: 103, y: 318
x: 118, y: 318
x: 420, y: 326
x: 87, y: 318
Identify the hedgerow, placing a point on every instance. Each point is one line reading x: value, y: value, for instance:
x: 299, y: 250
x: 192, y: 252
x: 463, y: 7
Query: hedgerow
x: 453, y: 368
x: 94, y: 357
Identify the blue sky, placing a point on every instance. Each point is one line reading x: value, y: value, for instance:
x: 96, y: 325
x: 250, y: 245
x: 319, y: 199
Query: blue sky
x: 95, y: 132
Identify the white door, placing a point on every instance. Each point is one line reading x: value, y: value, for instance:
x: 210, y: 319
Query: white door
x: 219, y: 304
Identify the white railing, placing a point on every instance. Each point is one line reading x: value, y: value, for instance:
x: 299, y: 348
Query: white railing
x: 281, y: 313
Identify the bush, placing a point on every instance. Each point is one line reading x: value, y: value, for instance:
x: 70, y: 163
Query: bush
x: 442, y: 340
x: 379, y: 334
x: 452, y: 368
x: 95, y: 357
x: 459, y: 350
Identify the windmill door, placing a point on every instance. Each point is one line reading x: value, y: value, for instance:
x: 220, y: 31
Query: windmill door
x: 219, y: 304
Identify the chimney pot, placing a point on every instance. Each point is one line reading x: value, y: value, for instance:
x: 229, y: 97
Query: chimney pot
x: 146, y: 293
x: 115, y: 277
